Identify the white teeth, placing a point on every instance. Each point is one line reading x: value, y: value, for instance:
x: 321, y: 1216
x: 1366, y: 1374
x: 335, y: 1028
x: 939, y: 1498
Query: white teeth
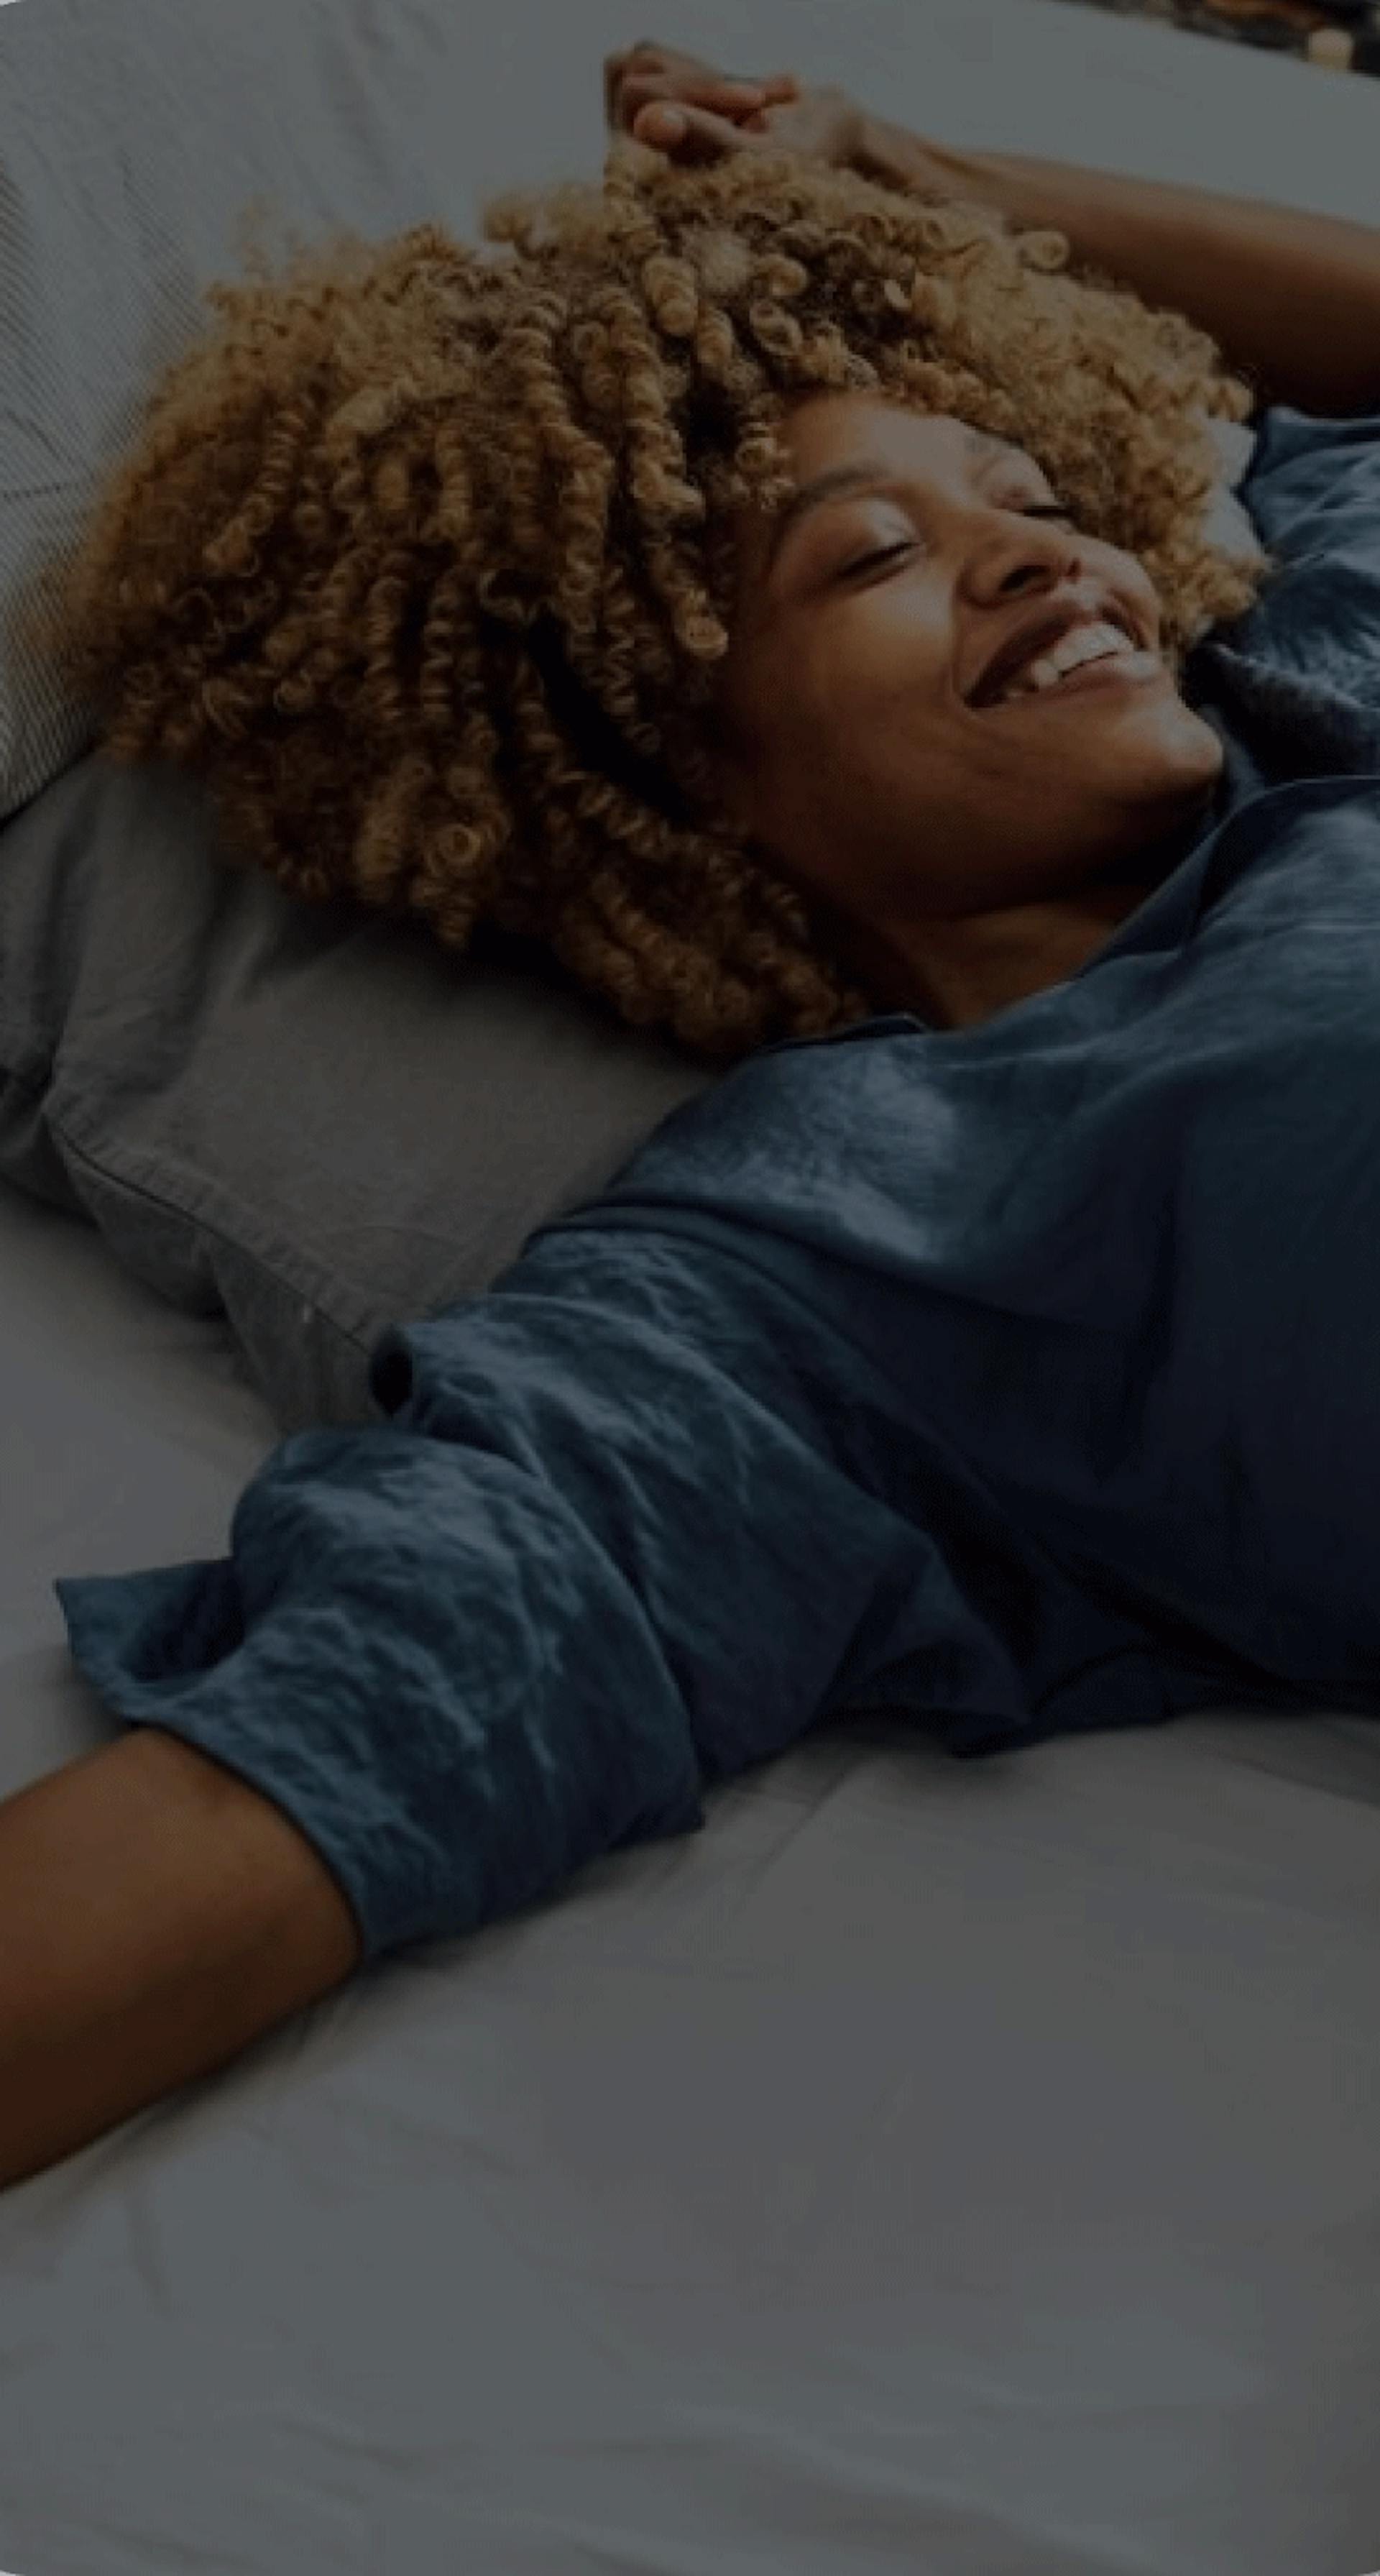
x: 1082, y: 644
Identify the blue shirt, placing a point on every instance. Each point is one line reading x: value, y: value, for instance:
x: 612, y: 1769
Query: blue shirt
x: 1024, y: 1377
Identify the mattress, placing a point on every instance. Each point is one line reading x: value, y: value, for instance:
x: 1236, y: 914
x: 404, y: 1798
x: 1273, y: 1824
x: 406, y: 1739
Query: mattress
x: 938, y: 2168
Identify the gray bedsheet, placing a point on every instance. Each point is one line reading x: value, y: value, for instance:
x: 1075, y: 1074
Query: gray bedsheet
x: 966, y: 2168
x: 934, y: 2168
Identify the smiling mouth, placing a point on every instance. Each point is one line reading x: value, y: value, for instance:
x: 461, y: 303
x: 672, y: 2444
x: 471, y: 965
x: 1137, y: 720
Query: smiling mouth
x: 1050, y: 650
x: 1110, y: 671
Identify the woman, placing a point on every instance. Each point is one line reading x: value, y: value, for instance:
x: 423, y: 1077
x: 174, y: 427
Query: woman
x: 697, y: 588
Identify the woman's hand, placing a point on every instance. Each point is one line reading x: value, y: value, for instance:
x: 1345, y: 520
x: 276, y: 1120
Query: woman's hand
x: 694, y: 113
x: 648, y: 75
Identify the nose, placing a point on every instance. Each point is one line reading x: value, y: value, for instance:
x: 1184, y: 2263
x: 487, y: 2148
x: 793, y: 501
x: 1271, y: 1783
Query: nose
x: 1030, y: 554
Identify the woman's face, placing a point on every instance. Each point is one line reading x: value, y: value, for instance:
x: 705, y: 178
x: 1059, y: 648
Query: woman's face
x: 865, y: 746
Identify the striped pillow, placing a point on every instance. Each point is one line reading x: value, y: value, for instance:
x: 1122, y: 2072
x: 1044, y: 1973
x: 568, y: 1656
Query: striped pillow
x: 135, y: 135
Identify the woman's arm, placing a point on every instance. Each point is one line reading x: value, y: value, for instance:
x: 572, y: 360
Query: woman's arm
x: 1292, y: 299
x: 156, y: 1916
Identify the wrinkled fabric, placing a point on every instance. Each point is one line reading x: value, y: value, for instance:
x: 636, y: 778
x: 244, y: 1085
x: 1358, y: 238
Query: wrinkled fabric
x: 1021, y: 1378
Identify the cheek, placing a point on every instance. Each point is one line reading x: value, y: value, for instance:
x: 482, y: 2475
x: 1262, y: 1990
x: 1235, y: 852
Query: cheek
x: 853, y: 694
x: 860, y: 697
x: 1127, y: 574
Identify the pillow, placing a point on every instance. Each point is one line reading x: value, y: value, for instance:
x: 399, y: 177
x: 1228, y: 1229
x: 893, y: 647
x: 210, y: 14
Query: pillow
x: 1226, y: 523
x: 312, y: 1119
x: 134, y: 137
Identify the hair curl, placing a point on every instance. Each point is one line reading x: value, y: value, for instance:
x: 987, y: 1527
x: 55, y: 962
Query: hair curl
x: 420, y: 559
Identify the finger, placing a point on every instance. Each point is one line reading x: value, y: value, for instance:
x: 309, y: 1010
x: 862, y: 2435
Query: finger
x: 688, y: 134
x: 635, y: 60
x: 722, y: 97
x: 688, y: 76
x: 655, y: 62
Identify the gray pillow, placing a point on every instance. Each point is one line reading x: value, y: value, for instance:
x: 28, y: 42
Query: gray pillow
x: 135, y: 137
x: 310, y: 1118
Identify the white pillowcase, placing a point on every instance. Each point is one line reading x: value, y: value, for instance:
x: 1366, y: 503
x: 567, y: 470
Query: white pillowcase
x: 1227, y: 523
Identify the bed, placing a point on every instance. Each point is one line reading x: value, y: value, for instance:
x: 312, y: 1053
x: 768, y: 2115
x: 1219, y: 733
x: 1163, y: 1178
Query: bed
x: 964, y: 2169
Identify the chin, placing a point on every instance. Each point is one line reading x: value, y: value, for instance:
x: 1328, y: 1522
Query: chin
x: 1180, y: 763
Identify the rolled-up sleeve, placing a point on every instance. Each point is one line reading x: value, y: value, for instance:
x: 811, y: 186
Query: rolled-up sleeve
x: 606, y: 1546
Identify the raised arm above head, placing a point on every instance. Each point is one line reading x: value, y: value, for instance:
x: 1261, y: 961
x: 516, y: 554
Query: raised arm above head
x: 1292, y: 299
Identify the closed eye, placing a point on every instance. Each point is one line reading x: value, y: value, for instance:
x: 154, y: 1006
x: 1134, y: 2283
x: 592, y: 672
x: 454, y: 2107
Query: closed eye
x: 866, y: 563
x: 885, y: 554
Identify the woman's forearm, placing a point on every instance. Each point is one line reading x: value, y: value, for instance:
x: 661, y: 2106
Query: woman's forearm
x: 1292, y: 299
x: 156, y: 1916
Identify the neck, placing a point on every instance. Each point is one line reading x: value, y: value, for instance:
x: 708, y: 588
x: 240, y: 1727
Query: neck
x: 957, y: 974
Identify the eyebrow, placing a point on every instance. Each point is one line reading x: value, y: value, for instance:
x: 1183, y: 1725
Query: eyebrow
x: 865, y: 475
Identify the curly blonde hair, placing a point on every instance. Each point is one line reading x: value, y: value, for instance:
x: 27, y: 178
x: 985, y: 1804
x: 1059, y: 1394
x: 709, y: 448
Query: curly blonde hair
x: 420, y: 557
